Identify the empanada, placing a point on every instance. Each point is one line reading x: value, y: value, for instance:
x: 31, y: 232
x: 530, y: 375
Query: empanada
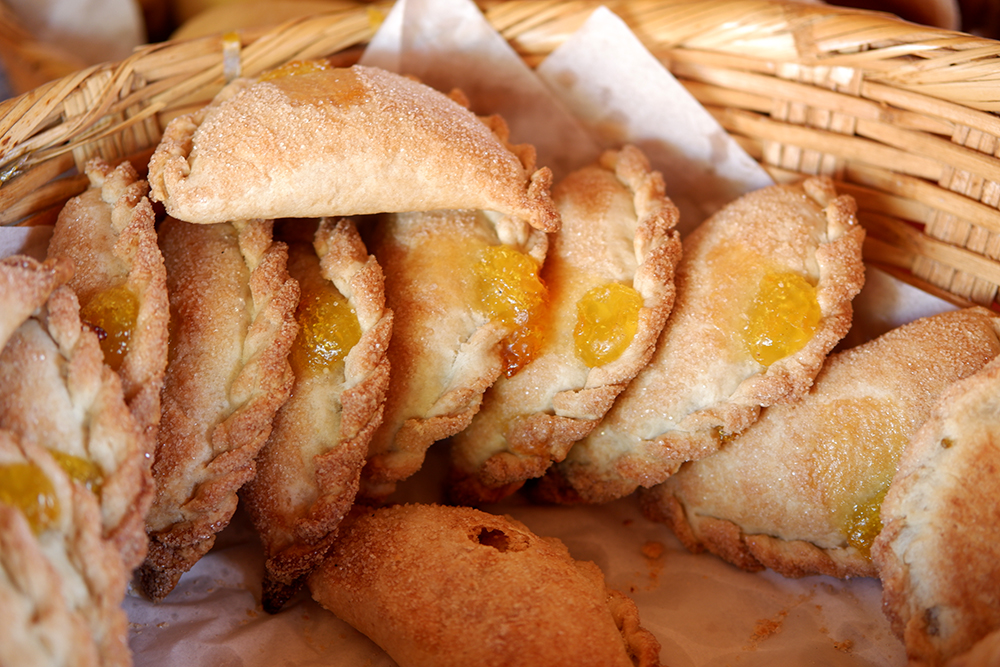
x: 609, y: 272
x: 25, y: 284
x: 799, y: 491
x: 109, y: 234
x: 764, y: 292
x: 938, y: 555
x: 61, y: 583
x: 438, y: 586
x: 57, y: 393
x: 309, y: 470
x: 311, y: 140
x: 232, y: 310
x: 466, y: 300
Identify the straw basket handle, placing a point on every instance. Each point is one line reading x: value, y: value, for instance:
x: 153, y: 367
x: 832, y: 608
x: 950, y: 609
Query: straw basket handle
x: 902, y: 116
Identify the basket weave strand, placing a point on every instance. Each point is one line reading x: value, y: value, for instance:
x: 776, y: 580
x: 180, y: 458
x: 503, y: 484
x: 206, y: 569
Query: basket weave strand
x: 903, y: 117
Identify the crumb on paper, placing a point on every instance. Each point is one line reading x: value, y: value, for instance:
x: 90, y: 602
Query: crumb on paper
x: 844, y: 646
x: 654, y: 551
x: 765, y: 628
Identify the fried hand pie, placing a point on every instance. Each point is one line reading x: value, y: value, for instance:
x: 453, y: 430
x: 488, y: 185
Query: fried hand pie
x: 799, y: 491
x: 308, y: 471
x: 467, y: 300
x: 109, y: 234
x: 609, y: 273
x: 441, y: 586
x: 232, y: 308
x: 764, y: 292
x: 938, y: 554
x: 310, y: 140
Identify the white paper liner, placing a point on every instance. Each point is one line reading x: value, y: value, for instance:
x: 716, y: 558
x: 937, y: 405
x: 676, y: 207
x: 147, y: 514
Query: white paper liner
x: 702, y: 610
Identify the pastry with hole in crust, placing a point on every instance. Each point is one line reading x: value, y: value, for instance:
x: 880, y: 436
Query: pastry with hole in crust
x: 439, y: 586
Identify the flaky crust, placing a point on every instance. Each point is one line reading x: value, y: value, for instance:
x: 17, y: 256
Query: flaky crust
x: 25, y: 284
x: 701, y: 381
x: 441, y: 586
x: 617, y: 227
x: 308, y: 472
x: 232, y: 308
x: 61, y: 589
x: 56, y: 393
x: 444, y: 352
x: 781, y: 494
x: 938, y: 556
x: 109, y: 235
x: 342, y: 142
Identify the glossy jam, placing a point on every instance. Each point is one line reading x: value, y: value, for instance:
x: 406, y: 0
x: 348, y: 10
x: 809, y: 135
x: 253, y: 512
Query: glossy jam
x: 82, y: 470
x: 25, y: 486
x: 607, y: 319
x: 865, y: 522
x: 782, y: 318
x: 510, y: 290
x: 294, y: 68
x: 112, y: 313
x: 328, y: 329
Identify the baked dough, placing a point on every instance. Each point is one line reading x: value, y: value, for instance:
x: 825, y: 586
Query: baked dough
x: 441, y: 586
x: 312, y: 140
x: 56, y: 393
x: 447, y: 348
x: 938, y: 556
x: 800, y: 243
x: 61, y: 583
x: 308, y: 471
x: 109, y: 235
x: 25, y: 285
x: 232, y: 306
x: 799, y: 491
x: 617, y: 239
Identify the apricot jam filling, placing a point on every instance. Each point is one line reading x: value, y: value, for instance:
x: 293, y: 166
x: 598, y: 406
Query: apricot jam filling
x: 865, y: 522
x: 607, y: 319
x: 328, y: 329
x: 295, y: 68
x: 510, y: 290
x: 782, y: 318
x: 113, y: 314
x: 82, y: 470
x: 26, y: 487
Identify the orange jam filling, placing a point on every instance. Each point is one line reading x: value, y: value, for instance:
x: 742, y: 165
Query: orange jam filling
x: 865, y: 522
x: 607, y: 319
x: 24, y: 486
x: 295, y: 68
x: 82, y: 470
x: 782, y: 318
x: 328, y: 329
x: 510, y: 291
x: 112, y: 314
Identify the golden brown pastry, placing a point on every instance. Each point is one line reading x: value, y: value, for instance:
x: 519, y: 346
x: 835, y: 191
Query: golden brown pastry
x: 310, y: 140
x: 109, y: 234
x: 609, y: 273
x: 985, y: 653
x: 466, y: 300
x: 799, y: 491
x: 61, y: 583
x: 440, y: 586
x: 938, y: 555
x: 232, y: 309
x: 764, y: 292
x: 56, y: 393
x: 308, y: 471
x: 25, y: 284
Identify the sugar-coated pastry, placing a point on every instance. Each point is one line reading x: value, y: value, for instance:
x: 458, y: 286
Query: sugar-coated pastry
x: 799, y: 491
x: 232, y: 309
x: 57, y: 393
x: 437, y: 586
x: 61, y: 582
x: 109, y: 234
x: 764, y: 292
x: 984, y: 653
x: 938, y: 555
x: 308, y: 471
x: 466, y: 298
x: 25, y: 284
x: 609, y: 272
x: 311, y: 140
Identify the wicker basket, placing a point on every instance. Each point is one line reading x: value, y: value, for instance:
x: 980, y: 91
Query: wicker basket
x: 903, y: 116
